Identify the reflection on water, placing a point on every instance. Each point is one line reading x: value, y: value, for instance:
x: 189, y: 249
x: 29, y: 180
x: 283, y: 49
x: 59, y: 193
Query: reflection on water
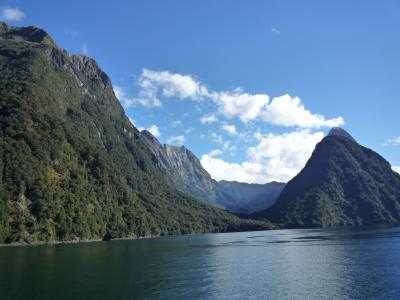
x: 359, y: 263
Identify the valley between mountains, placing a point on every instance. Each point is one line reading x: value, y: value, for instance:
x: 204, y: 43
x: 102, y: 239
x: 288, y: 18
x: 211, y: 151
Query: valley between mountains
x: 73, y: 167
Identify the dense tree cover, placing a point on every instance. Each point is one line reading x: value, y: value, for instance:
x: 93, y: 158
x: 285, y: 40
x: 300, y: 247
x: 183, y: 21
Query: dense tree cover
x: 343, y: 183
x: 72, y: 165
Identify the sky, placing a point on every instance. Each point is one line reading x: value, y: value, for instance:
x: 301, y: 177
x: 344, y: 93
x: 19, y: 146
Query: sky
x: 249, y: 87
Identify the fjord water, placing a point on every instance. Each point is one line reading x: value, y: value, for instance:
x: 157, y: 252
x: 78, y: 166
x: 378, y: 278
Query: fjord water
x: 361, y: 263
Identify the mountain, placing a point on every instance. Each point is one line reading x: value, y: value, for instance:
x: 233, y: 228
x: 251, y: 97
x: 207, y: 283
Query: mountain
x: 343, y: 183
x: 72, y: 165
x: 186, y: 173
x: 184, y: 170
x: 246, y: 198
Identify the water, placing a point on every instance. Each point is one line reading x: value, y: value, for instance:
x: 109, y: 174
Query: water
x: 283, y: 264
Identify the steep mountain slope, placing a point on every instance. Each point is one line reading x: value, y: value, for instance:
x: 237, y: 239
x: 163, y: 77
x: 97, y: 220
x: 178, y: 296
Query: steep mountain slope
x: 343, y: 183
x: 72, y: 166
x: 184, y: 170
x: 186, y: 173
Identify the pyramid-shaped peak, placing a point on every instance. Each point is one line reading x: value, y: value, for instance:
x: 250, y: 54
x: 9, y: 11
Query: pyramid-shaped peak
x: 337, y: 131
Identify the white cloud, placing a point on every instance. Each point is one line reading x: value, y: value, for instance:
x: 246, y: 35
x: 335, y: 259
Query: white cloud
x: 153, y: 129
x: 11, y: 14
x: 392, y: 142
x: 177, y: 140
x: 208, y: 119
x: 276, y: 157
x: 257, y: 135
x: 243, y: 172
x: 238, y: 104
x: 133, y: 122
x: 283, y: 110
x: 176, y: 123
x: 127, y: 102
x: 230, y: 129
x: 123, y: 97
x: 189, y: 130
x: 226, y: 145
x: 215, y: 152
x: 288, y: 111
x: 275, y: 31
x: 217, y: 138
x: 396, y: 169
x: 85, y: 49
x: 152, y: 84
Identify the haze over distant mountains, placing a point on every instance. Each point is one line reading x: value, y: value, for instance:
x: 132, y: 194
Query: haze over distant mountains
x: 186, y: 173
x: 343, y: 183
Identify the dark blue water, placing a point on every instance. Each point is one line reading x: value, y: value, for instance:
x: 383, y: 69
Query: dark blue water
x: 284, y: 264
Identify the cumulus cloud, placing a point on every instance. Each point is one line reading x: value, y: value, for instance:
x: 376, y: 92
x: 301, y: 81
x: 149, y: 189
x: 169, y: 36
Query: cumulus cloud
x: 243, y: 172
x: 11, y: 14
x: 238, y: 104
x: 396, y: 169
x: 257, y: 135
x: 153, y: 129
x: 152, y: 84
x: 230, y: 129
x: 392, y: 142
x: 284, y: 110
x: 215, y: 152
x: 275, y: 158
x: 177, y: 140
x: 208, y: 119
x: 288, y: 111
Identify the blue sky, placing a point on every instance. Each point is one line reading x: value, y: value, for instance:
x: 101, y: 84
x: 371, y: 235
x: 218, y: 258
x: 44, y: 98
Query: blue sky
x: 268, y: 78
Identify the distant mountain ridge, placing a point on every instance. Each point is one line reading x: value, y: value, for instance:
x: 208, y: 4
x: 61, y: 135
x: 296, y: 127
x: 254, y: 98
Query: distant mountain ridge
x: 186, y: 173
x: 343, y: 183
x: 246, y: 198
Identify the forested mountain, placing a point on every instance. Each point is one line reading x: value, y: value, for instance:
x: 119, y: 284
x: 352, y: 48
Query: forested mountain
x: 186, y: 173
x: 343, y: 183
x: 72, y: 165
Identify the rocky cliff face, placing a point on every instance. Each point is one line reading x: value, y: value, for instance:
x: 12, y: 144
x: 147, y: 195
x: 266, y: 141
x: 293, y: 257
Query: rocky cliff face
x: 343, y: 183
x: 188, y: 175
x: 184, y: 170
x: 72, y: 166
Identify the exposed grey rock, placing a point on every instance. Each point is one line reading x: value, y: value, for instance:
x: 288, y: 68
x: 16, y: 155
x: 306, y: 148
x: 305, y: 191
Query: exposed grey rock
x: 184, y: 170
x: 188, y: 175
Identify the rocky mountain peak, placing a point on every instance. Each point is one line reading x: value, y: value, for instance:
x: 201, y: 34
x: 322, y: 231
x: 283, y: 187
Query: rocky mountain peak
x: 147, y: 134
x: 91, y: 69
x: 337, y: 131
x: 31, y: 34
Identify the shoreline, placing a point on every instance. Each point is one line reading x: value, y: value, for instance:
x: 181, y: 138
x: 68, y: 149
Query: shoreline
x: 49, y: 243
